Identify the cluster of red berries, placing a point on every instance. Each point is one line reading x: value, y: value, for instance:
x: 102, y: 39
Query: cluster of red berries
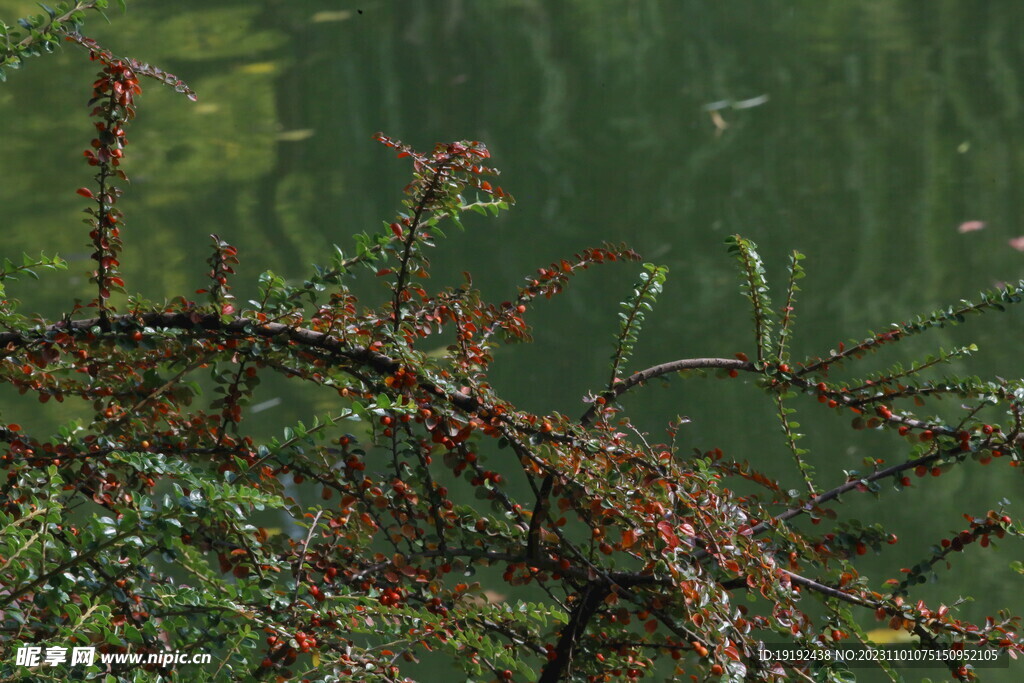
x: 317, y: 593
x: 391, y: 597
x: 282, y: 651
x: 993, y: 524
x: 487, y: 475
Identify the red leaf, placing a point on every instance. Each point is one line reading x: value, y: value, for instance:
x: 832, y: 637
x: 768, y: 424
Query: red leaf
x: 667, y: 534
x: 85, y: 192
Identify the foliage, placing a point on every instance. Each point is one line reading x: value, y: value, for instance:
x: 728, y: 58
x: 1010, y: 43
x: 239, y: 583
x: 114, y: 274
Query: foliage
x: 631, y: 317
x: 364, y: 543
x: 41, y: 33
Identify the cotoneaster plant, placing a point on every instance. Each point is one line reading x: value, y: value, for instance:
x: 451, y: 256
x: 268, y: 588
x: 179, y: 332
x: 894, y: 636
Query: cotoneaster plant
x: 425, y: 519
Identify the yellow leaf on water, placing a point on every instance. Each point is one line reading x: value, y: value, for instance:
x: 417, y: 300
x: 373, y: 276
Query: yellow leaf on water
x: 258, y: 68
x: 885, y: 636
x: 296, y: 135
x: 340, y: 15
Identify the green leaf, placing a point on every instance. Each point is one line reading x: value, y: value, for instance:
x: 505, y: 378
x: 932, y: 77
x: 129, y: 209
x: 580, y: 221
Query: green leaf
x: 631, y: 317
x: 755, y: 288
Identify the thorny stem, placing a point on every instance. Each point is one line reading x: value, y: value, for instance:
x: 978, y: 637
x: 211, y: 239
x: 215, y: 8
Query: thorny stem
x: 410, y: 239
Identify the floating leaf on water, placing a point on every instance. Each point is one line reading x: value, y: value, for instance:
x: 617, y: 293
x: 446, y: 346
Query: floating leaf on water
x: 259, y: 68
x: 737, y: 104
x: 752, y: 102
x: 715, y: 106
x: 266, y: 405
x: 340, y: 15
x: 296, y: 135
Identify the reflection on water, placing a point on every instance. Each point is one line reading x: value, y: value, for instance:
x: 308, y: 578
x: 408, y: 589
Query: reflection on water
x: 863, y: 134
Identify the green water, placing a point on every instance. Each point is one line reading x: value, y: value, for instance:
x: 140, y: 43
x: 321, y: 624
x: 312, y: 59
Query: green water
x: 861, y: 134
